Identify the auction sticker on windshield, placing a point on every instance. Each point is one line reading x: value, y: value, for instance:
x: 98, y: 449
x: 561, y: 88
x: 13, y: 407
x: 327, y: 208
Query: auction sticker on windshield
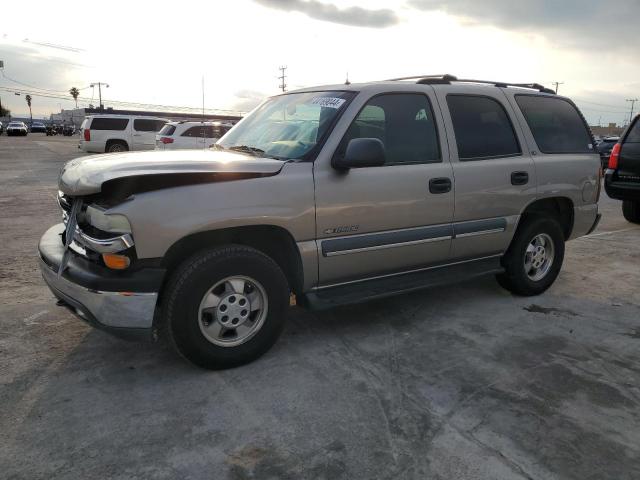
x: 331, y: 102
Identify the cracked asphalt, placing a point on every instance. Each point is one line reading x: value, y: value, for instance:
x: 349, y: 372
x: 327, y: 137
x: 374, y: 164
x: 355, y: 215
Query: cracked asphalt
x: 462, y: 382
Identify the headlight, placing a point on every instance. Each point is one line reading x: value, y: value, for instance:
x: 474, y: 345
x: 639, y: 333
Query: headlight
x: 96, y: 217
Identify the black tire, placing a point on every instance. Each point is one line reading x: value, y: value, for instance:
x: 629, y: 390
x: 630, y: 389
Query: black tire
x: 631, y: 211
x: 191, y: 281
x: 116, y: 147
x: 515, y: 278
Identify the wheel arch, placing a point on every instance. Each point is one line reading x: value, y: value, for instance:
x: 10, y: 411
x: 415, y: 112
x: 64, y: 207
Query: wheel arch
x: 111, y: 141
x: 559, y: 207
x: 274, y: 241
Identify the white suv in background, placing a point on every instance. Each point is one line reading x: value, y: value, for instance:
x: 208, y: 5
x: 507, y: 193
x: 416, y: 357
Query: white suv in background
x: 183, y: 135
x: 119, y: 133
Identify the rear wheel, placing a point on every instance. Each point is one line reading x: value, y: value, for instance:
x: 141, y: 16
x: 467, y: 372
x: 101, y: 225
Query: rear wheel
x: 225, y: 307
x: 115, y: 147
x: 631, y: 211
x: 534, y: 258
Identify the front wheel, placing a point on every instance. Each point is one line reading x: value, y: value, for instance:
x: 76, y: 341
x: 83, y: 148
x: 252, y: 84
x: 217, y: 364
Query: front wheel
x: 631, y: 211
x: 534, y: 258
x: 226, y: 306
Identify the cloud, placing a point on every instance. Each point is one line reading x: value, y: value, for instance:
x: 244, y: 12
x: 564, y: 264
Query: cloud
x: 590, y: 24
x: 328, y: 12
x: 247, y: 100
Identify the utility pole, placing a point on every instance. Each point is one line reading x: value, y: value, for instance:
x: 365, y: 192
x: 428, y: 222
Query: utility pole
x: 282, y: 78
x: 557, y: 84
x: 100, y: 84
x: 633, y: 102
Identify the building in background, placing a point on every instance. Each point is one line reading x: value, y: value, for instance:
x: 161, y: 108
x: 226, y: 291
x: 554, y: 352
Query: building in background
x: 612, y: 130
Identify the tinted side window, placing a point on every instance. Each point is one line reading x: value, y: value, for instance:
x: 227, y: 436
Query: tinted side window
x: 482, y: 128
x: 634, y: 134
x: 193, y: 132
x: 555, y: 124
x: 403, y: 122
x: 109, y: 123
x: 145, y: 125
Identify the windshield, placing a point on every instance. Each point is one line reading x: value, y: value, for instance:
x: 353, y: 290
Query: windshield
x: 287, y: 126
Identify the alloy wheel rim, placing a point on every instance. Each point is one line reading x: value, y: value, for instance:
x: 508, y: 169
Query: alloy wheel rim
x: 232, y: 311
x: 538, y: 257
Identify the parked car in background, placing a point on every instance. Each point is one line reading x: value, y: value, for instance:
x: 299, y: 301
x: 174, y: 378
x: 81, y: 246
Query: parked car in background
x: 604, y: 148
x: 622, y: 177
x: 37, y: 127
x: 17, y: 128
x: 51, y: 129
x: 1, y: 128
x: 183, y: 135
x: 338, y: 194
x: 119, y: 133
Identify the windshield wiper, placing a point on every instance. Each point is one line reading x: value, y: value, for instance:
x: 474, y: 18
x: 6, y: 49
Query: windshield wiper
x: 247, y: 149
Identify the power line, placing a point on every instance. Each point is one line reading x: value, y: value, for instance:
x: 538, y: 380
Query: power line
x: 599, y: 104
x: 149, y: 106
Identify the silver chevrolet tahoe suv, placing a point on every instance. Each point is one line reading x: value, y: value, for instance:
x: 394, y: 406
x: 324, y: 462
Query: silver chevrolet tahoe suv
x: 326, y: 196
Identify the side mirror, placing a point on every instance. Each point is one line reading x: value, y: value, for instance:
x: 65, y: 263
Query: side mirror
x: 360, y: 153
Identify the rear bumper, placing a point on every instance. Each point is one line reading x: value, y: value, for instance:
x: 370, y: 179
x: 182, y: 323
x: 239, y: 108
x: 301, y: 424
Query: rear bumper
x: 585, y: 220
x: 91, y: 147
x: 621, y: 190
x: 122, y: 306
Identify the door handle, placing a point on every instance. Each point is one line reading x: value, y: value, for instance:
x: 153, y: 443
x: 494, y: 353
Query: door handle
x: 440, y: 185
x: 519, y: 178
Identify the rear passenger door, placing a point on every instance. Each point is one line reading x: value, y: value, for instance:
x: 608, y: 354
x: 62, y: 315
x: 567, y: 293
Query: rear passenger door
x: 494, y: 173
x: 144, y: 133
x: 192, y: 137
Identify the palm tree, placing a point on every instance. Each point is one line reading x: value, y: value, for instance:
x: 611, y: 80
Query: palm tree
x: 28, y: 99
x: 74, y: 93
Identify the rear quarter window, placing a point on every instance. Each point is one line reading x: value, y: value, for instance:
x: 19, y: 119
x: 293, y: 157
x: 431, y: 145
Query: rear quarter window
x: 109, y: 123
x: 167, y: 130
x: 634, y: 134
x: 556, y: 124
x: 147, y: 125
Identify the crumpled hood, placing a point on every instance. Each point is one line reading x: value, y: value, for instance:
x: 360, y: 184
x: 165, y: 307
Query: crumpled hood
x: 85, y: 175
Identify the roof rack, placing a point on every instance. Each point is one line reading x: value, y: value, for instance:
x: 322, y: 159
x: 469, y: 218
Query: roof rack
x: 447, y: 79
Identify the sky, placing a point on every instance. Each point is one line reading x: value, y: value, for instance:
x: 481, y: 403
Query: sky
x: 163, y: 52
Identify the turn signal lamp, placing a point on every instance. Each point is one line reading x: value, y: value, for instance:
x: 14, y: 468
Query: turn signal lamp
x: 115, y: 261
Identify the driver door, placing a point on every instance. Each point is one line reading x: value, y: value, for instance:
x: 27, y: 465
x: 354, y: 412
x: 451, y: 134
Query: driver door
x: 393, y: 218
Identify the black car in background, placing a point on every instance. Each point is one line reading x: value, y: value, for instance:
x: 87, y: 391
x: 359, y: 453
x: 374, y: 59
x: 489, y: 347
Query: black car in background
x: 38, y: 127
x: 622, y: 177
x: 604, y: 148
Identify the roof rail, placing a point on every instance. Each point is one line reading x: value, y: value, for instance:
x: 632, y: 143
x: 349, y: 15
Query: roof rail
x: 532, y: 86
x: 446, y: 76
x: 447, y: 79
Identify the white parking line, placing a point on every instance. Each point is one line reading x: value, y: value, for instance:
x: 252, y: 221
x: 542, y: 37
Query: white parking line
x: 612, y: 232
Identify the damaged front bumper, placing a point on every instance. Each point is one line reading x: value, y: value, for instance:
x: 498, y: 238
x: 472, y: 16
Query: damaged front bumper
x: 122, y: 303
